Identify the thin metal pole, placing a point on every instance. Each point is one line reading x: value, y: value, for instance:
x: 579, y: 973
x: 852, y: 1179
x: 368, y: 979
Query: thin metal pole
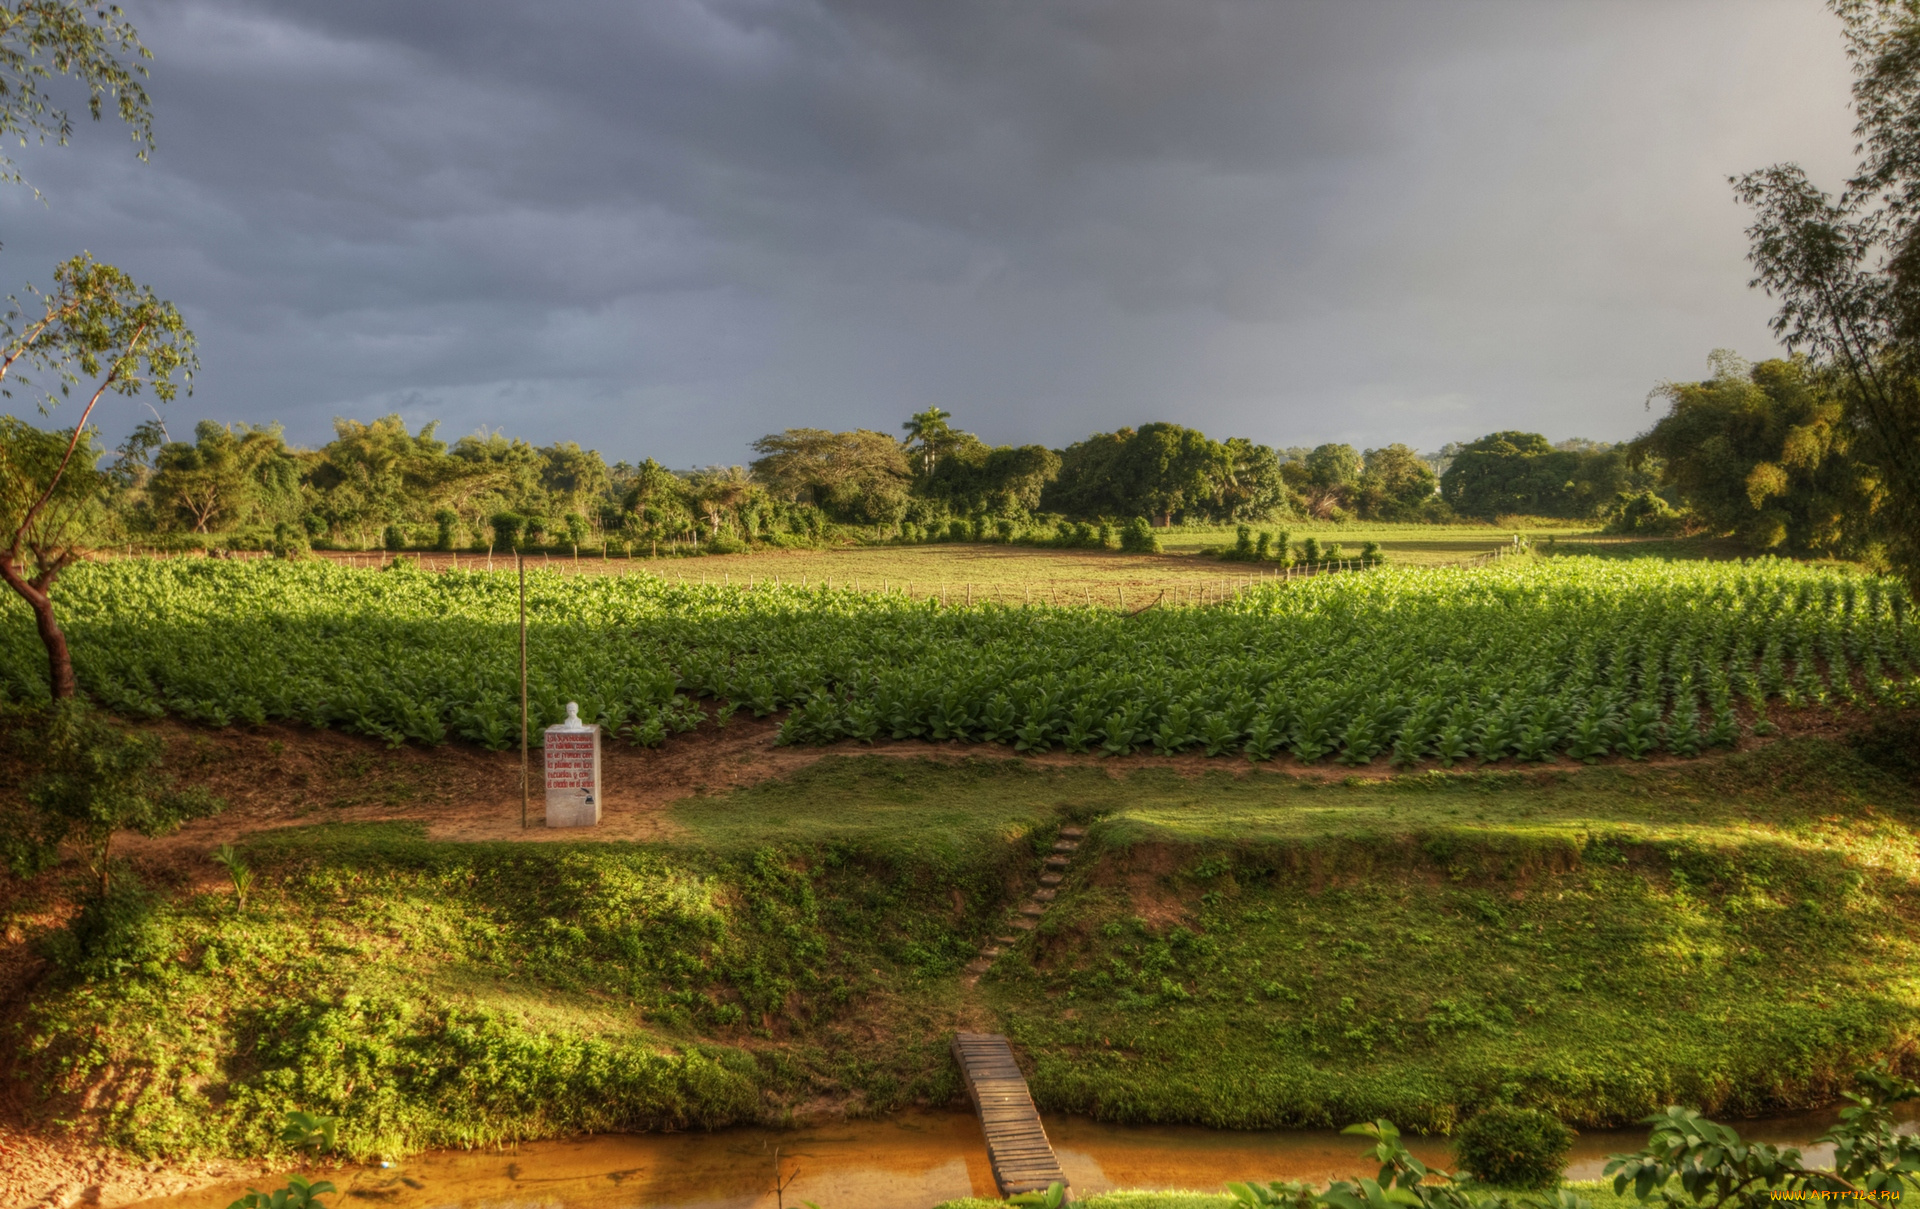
x: 520, y: 558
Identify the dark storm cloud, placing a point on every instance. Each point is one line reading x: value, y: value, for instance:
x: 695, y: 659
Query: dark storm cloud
x: 665, y: 228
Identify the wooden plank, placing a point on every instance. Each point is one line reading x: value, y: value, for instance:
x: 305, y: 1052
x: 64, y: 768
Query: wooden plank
x: 1017, y: 1147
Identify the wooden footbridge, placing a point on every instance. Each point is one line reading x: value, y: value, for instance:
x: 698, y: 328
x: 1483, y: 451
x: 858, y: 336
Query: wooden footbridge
x: 1017, y: 1146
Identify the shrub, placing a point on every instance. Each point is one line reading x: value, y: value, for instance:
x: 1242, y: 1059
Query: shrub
x: 114, y: 934
x: 289, y: 541
x: 393, y: 539
x: 444, y: 520
x: 506, y: 529
x: 1514, y: 1147
x: 1138, y: 537
x: 577, y: 529
x: 1645, y: 514
x: 1310, y: 551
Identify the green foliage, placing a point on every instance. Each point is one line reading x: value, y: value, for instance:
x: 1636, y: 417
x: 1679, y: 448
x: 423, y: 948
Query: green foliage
x: 1160, y: 470
x: 506, y: 530
x: 289, y: 541
x: 1513, y: 1147
x: 859, y: 477
x: 1644, y: 514
x: 1843, y: 271
x: 1761, y: 452
x: 457, y: 994
x: 1553, y: 656
x: 95, y: 779
x: 1403, y: 1182
x: 114, y: 936
x: 43, y: 39
x: 309, y: 1132
x: 238, y: 872
x: 298, y: 1194
x: 1520, y: 473
x: 1714, y: 1167
x: 1138, y: 537
x: 1396, y: 484
x: 1052, y: 1197
x: 228, y: 476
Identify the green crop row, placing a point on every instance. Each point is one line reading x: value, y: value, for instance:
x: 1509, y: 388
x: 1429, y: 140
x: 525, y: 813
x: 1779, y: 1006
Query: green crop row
x: 1580, y: 657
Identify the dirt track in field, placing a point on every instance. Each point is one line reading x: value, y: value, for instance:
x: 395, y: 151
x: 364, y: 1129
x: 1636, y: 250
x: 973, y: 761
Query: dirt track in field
x: 288, y: 776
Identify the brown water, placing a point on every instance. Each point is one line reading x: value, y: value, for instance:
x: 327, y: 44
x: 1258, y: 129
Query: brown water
x: 909, y: 1161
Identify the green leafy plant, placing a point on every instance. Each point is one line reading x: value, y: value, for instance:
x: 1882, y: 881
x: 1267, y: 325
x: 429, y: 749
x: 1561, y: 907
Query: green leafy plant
x: 1716, y: 1168
x: 312, y: 1133
x: 1403, y: 1182
x: 298, y: 1194
x: 238, y: 871
x: 1052, y: 1197
x: 1514, y: 1147
x: 96, y: 779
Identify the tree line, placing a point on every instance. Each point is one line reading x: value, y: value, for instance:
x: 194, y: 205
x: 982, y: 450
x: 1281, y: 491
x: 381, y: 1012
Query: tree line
x: 1760, y: 452
x: 378, y: 484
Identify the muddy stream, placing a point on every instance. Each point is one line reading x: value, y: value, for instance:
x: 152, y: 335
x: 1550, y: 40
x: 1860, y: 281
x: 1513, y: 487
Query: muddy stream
x: 908, y: 1161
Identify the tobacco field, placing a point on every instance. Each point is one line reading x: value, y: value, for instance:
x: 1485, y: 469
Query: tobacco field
x: 1528, y: 660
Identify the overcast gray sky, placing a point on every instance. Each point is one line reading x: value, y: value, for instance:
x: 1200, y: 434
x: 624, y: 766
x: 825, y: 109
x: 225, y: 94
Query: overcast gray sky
x: 664, y: 228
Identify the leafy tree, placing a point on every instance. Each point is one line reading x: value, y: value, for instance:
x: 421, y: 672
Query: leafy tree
x: 930, y: 438
x: 1511, y: 472
x: 1333, y: 465
x: 575, y: 479
x: 224, y: 477
x: 96, y: 325
x: 1846, y: 271
x: 1394, y: 483
x: 1763, y: 452
x: 721, y: 493
x: 507, y: 527
x: 1323, y: 478
x: 1255, y: 489
x: 858, y: 477
x: 656, y: 504
x: 973, y: 477
x: 41, y: 39
x: 1159, y: 470
x: 376, y: 474
x: 95, y: 779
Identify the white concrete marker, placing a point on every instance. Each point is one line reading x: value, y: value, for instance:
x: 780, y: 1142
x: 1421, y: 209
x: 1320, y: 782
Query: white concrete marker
x: 572, y: 760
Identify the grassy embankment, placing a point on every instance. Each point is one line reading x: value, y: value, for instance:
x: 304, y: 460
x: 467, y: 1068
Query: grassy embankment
x: 1258, y: 950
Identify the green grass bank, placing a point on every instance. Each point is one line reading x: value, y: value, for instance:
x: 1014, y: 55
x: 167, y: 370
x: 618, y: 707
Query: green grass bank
x: 1233, y: 950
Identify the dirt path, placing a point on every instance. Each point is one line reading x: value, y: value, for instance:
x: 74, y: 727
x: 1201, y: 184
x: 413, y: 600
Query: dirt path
x: 280, y: 775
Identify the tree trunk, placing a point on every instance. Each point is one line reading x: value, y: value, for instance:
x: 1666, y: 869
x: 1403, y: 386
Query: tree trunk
x: 40, y: 600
